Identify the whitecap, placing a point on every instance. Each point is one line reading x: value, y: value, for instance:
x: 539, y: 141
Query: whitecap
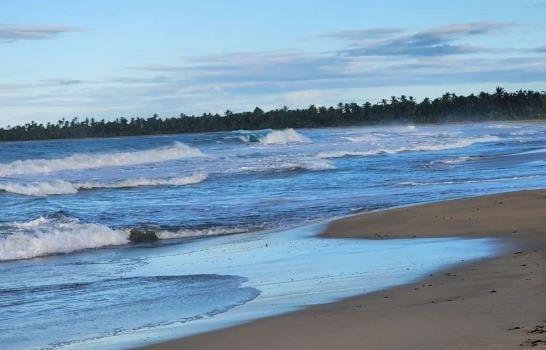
x: 286, y: 136
x: 438, y: 146
x: 303, y: 164
x: 60, y: 234
x: 451, y: 161
x: 82, y: 161
x: 46, y: 236
x: 60, y: 187
x: 212, y: 231
x: 369, y: 138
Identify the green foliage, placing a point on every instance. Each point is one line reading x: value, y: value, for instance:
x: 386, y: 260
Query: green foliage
x: 500, y: 105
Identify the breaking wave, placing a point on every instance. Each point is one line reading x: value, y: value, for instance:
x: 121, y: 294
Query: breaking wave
x: 61, y: 234
x: 46, y: 236
x: 274, y: 137
x: 59, y: 187
x: 417, y: 148
x: 81, y: 161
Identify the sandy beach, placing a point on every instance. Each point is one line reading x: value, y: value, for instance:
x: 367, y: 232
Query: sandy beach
x: 498, y: 303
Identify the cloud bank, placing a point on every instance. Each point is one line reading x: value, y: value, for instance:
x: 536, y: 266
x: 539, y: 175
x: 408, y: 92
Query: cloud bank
x: 11, y: 33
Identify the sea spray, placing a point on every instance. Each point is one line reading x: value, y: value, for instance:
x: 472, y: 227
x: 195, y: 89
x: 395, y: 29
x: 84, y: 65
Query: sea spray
x: 284, y: 137
x: 272, y: 137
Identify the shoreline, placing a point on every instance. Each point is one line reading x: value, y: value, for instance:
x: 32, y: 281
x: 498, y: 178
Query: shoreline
x: 494, y: 303
x: 397, y: 123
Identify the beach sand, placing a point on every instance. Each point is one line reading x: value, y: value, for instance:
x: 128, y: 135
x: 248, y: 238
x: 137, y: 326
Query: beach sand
x: 498, y: 303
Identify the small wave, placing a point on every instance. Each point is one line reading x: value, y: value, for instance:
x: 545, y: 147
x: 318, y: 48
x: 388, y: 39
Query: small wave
x: 418, y: 148
x: 308, y: 164
x: 82, y: 161
x: 61, y: 234
x: 139, y: 182
x: 369, y: 138
x: 468, y: 181
x: 246, y: 136
x: 212, y: 231
x: 40, y: 189
x: 451, y: 161
x: 523, y: 133
x: 341, y: 154
x: 60, y: 187
x: 46, y: 236
x: 534, y: 151
x: 501, y: 126
x: 273, y: 137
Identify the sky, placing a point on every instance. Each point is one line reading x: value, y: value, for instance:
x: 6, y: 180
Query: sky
x: 108, y: 59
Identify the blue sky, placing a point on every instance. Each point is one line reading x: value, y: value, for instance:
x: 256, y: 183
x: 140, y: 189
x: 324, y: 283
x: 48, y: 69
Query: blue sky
x: 107, y: 59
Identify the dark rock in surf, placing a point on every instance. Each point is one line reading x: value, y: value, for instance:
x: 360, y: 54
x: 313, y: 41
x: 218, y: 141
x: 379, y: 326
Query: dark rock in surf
x: 142, y: 235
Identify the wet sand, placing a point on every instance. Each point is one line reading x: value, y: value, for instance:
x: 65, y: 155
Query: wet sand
x: 498, y: 303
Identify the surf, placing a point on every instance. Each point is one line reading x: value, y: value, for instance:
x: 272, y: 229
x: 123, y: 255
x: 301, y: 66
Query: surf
x: 83, y: 161
x: 440, y: 145
x: 273, y: 137
x: 63, y: 187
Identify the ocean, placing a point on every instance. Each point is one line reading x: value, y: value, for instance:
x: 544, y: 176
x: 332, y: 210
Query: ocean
x: 236, y: 214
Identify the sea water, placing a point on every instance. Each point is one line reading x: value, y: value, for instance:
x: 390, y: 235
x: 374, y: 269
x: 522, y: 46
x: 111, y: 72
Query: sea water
x: 59, y: 197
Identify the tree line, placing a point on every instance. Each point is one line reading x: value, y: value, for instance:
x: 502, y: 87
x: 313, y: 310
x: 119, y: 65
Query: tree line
x: 500, y: 105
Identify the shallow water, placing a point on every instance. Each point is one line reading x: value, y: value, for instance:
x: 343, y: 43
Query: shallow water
x: 66, y: 196
x: 117, y: 298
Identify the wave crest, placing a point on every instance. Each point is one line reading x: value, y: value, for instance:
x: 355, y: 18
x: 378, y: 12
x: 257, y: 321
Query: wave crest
x: 304, y: 164
x: 417, y: 148
x: 46, y: 236
x: 61, y: 234
x: 60, y: 187
x: 211, y: 231
x: 274, y: 137
x: 82, y: 161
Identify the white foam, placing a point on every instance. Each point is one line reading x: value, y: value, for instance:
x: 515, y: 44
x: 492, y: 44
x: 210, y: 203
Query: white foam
x: 40, y: 189
x: 60, y: 187
x: 316, y: 165
x: 304, y: 164
x: 46, y: 236
x: 81, y: 161
x: 464, y: 181
x: 457, y: 160
x: 138, y: 182
x: 213, y: 231
x: 286, y: 136
x: 523, y: 133
x: 438, y: 146
x: 57, y: 235
x: 369, y: 138
x: 340, y: 154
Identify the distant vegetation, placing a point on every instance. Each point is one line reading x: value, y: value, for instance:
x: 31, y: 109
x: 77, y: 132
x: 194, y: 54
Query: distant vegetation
x: 500, y: 105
